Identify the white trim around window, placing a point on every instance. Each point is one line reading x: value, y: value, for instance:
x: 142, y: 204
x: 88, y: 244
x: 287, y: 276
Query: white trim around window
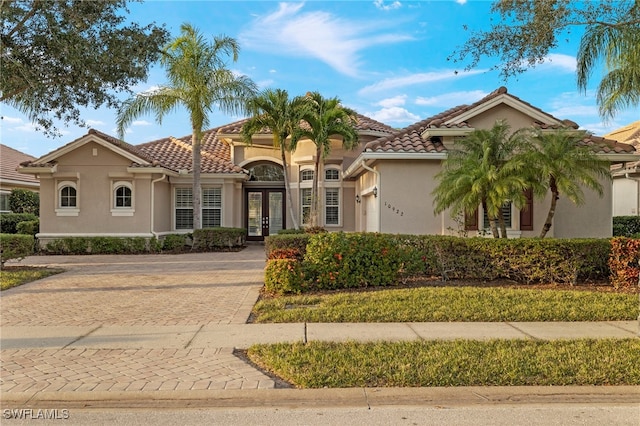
x: 122, y: 198
x: 332, y: 206
x: 211, y: 207
x: 67, y: 198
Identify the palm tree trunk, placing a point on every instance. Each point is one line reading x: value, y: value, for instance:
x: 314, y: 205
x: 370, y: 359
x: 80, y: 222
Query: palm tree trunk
x: 555, y: 195
x: 503, y: 226
x: 314, y: 191
x: 287, y: 186
x: 197, y: 193
x: 492, y: 221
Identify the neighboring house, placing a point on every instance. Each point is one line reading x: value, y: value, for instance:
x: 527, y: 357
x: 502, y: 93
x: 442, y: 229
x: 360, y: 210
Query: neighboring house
x: 626, y: 176
x: 98, y: 185
x: 10, y: 179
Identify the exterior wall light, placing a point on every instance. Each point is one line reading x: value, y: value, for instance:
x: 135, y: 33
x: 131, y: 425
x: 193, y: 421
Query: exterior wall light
x: 375, y: 191
x: 358, y: 200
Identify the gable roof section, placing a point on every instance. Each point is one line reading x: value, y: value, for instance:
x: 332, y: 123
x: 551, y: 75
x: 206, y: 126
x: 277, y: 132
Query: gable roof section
x: 9, y: 160
x: 175, y: 154
x: 628, y: 134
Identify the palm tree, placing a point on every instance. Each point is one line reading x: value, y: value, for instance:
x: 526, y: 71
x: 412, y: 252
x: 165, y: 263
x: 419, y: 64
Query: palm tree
x: 199, y: 81
x: 483, y: 170
x: 326, y: 118
x: 619, y: 46
x: 273, y: 110
x: 559, y: 164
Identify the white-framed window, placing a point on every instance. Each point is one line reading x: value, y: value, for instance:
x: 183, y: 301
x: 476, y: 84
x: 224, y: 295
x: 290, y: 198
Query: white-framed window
x: 68, y: 200
x: 211, y: 207
x: 211, y: 212
x: 4, y: 202
x: 306, y: 175
x: 122, y: 202
x: 332, y: 206
x: 305, y: 205
x: 332, y: 175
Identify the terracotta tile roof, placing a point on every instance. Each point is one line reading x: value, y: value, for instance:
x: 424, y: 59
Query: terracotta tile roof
x: 628, y: 134
x: 606, y: 146
x: 363, y: 124
x: 176, y: 154
x: 9, y: 160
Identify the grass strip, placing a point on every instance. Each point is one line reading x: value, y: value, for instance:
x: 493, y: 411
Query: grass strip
x: 435, y: 304
x: 453, y: 363
x: 12, y: 277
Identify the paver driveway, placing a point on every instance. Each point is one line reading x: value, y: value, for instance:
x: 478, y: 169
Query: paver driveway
x: 128, y: 323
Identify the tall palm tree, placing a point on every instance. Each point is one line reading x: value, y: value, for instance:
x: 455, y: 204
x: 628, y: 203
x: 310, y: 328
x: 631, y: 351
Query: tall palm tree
x: 199, y: 81
x: 273, y: 110
x: 326, y: 118
x: 560, y: 165
x: 619, y: 47
x: 483, y: 170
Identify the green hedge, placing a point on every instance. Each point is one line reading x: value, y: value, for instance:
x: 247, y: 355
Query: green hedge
x: 15, y: 246
x: 101, y: 245
x: 626, y: 226
x: 9, y: 221
x: 624, y: 262
x: 344, y: 260
x: 212, y: 239
x: 29, y: 227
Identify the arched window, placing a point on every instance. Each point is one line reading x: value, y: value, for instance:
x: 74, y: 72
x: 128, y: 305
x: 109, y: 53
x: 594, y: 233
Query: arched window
x: 306, y: 175
x: 332, y: 175
x: 122, y: 197
x: 68, y: 195
x: 266, y: 172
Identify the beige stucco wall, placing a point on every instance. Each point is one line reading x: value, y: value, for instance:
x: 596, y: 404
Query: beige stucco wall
x: 593, y: 219
x: 94, y: 168
x: 162, y: 222
x: 487, y: 119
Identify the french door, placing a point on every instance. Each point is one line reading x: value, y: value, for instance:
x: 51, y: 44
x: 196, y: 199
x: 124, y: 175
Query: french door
x: 265, y: 212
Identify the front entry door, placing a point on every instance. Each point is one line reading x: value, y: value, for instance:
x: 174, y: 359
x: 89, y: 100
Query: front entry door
x: 265, y: 213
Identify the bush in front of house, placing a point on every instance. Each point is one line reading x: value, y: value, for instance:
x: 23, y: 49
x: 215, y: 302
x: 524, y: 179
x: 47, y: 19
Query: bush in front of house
x: 177, y: 243
x: 624, y: 262
x: 15, y: 246
x: 626, y: 226
x: 295, y: 241
x: 284, y: 276
x: 29, y: 227
x: 214, y: 239
x: 101, y: 245
x: 24, y: 201
x: 339, y: 260
x: 9, y: 221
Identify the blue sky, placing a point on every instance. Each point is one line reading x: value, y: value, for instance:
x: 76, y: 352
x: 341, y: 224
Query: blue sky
x: 385, y: 59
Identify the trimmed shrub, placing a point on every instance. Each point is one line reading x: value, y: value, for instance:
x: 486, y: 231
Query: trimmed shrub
x: 626, y: 226
x: 212, y: 239
x: 284, y: 276
x: 24, y: 201
x: 15, y: 246
x: 176, y: 243
x: 290, y: 231
x: 624, y: 262
x: 9, y: 221
x: 29, y: 227
x: 292, y: 253
x: 100, y: 245
x: 287, y: 241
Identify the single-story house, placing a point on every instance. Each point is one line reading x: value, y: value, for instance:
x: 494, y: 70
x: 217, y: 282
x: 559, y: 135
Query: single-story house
x: 98, y: 185
x: 10, y: 179
x: 626, y: 176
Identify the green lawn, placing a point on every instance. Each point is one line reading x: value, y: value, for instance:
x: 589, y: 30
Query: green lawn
x: 15, y: 276
x: 427, y: 304
x: 453, y: 363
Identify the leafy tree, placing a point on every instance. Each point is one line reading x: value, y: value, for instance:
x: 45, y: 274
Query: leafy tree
x: 59, y: 55
x: 273, y: 110
x: 24, y: 201
x: 199, y: 81
x: 326, y: 118
x: 483, y: 170
x: 527, y: 30
x: 557, y: 163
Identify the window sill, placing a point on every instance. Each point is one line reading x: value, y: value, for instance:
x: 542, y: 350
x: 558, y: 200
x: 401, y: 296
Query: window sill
x: 67, y: 212
x: 122, y: 212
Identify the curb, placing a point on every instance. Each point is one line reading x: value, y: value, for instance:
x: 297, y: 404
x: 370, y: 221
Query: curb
x: 344, y: 397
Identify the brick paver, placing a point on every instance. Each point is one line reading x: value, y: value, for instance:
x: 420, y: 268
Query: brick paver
x: 160, y: 290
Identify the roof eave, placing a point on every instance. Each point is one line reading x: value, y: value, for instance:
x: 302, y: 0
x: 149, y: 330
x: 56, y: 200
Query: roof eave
x: 356, y: 167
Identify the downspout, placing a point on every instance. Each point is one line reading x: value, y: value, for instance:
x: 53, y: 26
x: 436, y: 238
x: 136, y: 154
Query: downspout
x: 377, y: 185
x: 155, y: 234
x: 637, y: 180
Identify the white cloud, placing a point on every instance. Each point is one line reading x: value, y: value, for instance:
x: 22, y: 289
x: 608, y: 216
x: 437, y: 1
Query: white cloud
x: 413, y: 79
x: 321, y: 35
x: 12, y: 120
x: 393, y: 102
x: 92, y: 123
x: 393, y: 115
x: 272, y: 71
x: 380, y: 4
x: 451, y: 99
x: 141, y: 123
x: 461, y: 1
x: 558, y: 61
